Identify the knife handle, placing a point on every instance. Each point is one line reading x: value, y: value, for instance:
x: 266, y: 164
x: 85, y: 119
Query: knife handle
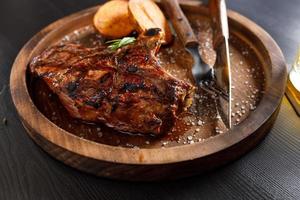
x: 180, y: 23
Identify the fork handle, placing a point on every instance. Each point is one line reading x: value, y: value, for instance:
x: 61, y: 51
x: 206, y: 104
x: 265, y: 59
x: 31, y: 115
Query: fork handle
x: 180, y: 23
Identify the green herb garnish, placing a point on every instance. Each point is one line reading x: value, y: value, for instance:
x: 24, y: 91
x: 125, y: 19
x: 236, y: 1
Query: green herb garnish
x: 118, y: 43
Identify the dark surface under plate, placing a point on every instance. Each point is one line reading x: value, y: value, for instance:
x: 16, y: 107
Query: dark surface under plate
x: 271, y: 171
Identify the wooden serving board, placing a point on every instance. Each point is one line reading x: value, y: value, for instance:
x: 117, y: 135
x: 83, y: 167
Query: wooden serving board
x: 155, y: 163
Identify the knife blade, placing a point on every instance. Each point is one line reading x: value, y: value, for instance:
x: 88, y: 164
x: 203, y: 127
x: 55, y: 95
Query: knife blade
x: 222, y: 67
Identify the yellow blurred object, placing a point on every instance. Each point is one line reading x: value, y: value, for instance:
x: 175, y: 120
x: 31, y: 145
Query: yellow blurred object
x: 148, y: 15
x: 112, y: 19
x: 293, y: 85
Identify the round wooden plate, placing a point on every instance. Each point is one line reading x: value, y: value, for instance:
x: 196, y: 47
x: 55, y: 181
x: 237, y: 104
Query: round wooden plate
x: 155, y: 163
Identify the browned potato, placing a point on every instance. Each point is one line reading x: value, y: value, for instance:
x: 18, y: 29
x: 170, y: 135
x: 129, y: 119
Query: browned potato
x: 112, y: 19
x: 148, y: 15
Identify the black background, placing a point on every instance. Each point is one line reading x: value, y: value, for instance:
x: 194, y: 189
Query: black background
x: 271, y: 171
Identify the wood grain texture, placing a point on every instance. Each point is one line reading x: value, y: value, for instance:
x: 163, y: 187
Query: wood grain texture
x: 157, y: 163
x: 180, y: 23
x: 271, y: 171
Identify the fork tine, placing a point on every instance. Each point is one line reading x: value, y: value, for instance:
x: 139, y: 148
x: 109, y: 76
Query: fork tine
x: 210, y: 87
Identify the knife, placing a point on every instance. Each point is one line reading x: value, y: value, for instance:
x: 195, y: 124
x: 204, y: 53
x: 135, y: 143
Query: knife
x: 222, y: 67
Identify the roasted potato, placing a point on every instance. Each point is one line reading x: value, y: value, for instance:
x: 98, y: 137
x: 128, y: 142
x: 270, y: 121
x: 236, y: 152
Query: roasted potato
x: 112, y: 19
x: 148, y: 15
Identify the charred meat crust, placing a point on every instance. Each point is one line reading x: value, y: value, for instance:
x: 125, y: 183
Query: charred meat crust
x: 127, y: 89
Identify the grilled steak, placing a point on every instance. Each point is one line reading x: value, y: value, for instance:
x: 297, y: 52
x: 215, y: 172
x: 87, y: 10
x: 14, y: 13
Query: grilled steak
x: 126, y: 89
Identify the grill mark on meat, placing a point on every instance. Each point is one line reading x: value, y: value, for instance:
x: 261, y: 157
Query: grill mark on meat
x: 105, y: 78
x: 115, y: 104
x: 71, y: 88
x: 93, y: 104
x: 133, y: 87
x: 126, y: 89
x: 132, y: 69
x: 152, y: 31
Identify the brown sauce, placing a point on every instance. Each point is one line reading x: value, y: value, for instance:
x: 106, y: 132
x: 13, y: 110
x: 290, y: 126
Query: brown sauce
x: 200, y: 122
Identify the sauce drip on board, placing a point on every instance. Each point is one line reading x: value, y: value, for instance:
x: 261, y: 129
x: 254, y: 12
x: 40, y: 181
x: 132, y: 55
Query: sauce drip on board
x: 200, y: 122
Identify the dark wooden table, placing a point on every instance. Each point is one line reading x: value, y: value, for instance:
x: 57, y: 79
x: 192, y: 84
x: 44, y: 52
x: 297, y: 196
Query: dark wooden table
x: 271, y: 171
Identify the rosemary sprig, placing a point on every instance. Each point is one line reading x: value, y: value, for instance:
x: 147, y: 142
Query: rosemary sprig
x: 118, y: 43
